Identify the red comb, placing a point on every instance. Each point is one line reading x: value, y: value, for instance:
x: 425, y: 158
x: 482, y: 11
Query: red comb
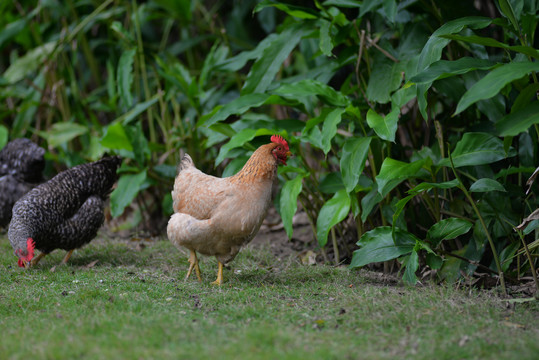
x: 279, y: 140
x: 30, y: 246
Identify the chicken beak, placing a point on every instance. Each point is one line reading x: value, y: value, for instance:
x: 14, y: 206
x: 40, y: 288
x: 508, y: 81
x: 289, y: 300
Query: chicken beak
x: 289, y: 154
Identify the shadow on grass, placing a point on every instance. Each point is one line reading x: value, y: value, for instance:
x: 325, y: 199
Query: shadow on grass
x: 114, y: 253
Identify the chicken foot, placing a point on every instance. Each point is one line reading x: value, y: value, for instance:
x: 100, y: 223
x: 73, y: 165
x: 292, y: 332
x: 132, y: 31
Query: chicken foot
x: 193, y: 261
x: 219, y: 280
x: 64, y: 261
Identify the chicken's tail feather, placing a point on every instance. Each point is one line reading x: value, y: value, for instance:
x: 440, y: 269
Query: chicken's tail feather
x: 185, y: 163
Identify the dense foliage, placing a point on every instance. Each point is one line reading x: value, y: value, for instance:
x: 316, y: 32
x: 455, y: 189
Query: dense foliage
x: 414, y: 123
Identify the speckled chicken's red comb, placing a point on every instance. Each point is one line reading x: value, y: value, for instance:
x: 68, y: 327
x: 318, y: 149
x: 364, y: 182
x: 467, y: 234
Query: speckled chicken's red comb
x: 279, y: 140
x: 30, y: 246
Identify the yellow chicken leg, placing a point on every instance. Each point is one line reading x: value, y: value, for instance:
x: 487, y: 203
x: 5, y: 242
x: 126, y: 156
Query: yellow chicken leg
x: 193, y: 261
x: 64, y: 261
x: 219, y: 280
x: 35, y: 260
x: 68, y: 255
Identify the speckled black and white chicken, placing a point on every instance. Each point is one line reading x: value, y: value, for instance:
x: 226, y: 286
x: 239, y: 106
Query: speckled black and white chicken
x: 64, y: 213
x: 21, y: 168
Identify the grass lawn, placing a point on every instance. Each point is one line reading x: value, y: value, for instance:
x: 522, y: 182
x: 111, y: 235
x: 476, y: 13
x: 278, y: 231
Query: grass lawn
x: 134, y: 304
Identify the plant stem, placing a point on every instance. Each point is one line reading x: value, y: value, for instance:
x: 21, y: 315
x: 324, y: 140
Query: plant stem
x: 142, y: 63
x: 471, y: 262
x: 336, y: 255
x: 478, y: 213
x: 532, y: 266
x: 359, y: 225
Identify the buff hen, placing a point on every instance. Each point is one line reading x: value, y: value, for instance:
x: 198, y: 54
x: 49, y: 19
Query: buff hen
x: 217, y: 216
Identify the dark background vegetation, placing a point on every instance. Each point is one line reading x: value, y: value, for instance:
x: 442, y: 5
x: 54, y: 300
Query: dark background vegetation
x: 414, y: 123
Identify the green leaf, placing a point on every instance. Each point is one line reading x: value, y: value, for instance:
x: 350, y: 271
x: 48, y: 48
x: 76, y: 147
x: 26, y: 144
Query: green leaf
x: 369, y: 5
x: 164, y: 170
x: 121, y: 32
x: 369, y: 201
x: 434, y: 261
x: 447, y: 229
x: 519, y: 121
x: 111, y: 86
x: 116, y: 138
x: 29, y: 63
x: 326, y: 45
x: 432, y: 51
x: 292, y: 10
x: 486, y: 41
x: 240, y: 105
x: 507, y: 255
x: 3, y: 136
x: 329, y: 129
x: 237, y: 62
x: 384, y: 127
x: 354, y: 206
x: 443, y: 69
x: 354, y: 155
x: 310, y: 87
x: 507, y: 11
x: 534, y: 224
x: 424, y: 186
x: 139, y: 143
x: 61, y: 133
x: 128, y: 187
x: 12, y: 29
x: 476, y: 149
x: 333, y: 212
x: 25, y: 117
x: 378, y: 245
x: 526, y: 97
x: 494, y: 81
x: 393, y: 172
x: 344, y: 3
x: 331, y: 183
x: 217, y: 54
x: 181, y: 9
x: 125, y: 77
x: 264, y: 69
x: 486, y: 184
x: 412, y: 264
x: 289, y: 202
x: 399, y: 207
x: 138, y: 109
x: 240, y: 139
x: 385, y: 78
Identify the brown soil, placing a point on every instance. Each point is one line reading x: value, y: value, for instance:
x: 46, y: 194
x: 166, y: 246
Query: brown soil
x: 273, y: 236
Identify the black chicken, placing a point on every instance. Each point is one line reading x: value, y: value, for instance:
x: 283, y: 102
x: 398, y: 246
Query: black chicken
x: 63, y: 213
x: 21, y: 168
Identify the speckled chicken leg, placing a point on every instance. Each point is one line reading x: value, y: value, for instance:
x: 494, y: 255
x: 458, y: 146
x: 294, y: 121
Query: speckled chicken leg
x: 193, y: 261
x: 219, y: 279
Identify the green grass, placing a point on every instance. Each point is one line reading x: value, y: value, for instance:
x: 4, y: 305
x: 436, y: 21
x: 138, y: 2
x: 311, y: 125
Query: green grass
x: 134, y: 304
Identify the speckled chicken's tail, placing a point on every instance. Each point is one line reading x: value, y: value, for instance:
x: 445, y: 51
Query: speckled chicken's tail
x: 185, y: 163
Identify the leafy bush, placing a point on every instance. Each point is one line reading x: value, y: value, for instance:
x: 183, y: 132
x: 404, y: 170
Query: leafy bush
x: 414, y: 124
